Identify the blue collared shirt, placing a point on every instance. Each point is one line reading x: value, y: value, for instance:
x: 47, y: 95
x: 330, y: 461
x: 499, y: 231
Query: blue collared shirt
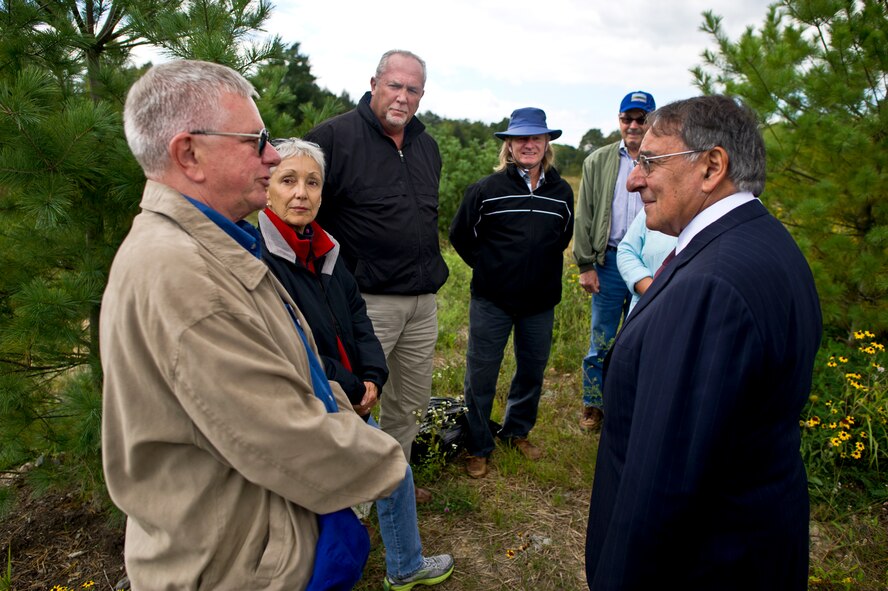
x: 242, y: 232
x: 626, y: 205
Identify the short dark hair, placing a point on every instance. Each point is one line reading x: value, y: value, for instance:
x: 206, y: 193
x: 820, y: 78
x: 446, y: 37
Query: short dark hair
x: 705, y: 122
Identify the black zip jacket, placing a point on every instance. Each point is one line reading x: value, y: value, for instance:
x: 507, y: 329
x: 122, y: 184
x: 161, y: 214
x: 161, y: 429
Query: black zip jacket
x: 331, y: 304
x: 514, y: 239
x: 381, y: 203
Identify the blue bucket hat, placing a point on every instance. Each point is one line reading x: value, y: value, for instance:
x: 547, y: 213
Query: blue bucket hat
x: 528, y: 121
x: 638, y: 100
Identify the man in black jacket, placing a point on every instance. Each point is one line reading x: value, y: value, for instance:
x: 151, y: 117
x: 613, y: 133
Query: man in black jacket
x: 381, y: 204
x: 512, y: 228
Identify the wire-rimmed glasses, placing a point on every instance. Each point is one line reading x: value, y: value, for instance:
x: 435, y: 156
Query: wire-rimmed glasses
x: 645, y: 161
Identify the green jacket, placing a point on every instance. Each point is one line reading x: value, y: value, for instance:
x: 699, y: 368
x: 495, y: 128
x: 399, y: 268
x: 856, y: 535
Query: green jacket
x: 593, y: 214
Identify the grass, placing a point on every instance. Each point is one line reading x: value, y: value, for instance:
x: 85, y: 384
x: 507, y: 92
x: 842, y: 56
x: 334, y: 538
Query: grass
x: 523, y: 526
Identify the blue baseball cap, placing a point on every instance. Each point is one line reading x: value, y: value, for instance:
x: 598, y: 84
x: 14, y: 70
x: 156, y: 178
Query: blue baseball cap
x: 528, y: 121
x: 638, y: 99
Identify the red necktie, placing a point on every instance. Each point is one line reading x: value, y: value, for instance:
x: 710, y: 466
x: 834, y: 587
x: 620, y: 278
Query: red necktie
x: 668, y: 258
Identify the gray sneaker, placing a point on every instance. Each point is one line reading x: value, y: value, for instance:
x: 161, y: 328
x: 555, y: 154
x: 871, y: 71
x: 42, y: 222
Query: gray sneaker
x: 434, y: 570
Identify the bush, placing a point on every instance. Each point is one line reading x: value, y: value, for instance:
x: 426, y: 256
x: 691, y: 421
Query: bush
x: 845, y: 423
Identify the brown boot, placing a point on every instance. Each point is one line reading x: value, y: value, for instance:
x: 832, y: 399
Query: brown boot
x: 422, y: 495
x: 529, y: 450
x: 592, y: 418
x: 476, y: 467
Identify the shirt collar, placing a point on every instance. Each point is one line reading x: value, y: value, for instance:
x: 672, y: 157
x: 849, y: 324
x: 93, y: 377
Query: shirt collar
x: 709, y: 215
x: 525, y: 174
x: 241, y: 232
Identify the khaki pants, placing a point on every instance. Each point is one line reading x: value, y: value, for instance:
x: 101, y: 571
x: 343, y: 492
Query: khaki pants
x: 407, y: 328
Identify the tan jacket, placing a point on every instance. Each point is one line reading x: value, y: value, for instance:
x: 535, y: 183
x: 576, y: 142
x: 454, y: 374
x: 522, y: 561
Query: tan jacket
x: 214, y: 444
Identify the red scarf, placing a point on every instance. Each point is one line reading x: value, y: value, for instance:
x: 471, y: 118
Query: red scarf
x: 311, y: 245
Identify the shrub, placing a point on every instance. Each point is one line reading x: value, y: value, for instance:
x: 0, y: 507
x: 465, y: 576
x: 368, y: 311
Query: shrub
x: 845, y: 423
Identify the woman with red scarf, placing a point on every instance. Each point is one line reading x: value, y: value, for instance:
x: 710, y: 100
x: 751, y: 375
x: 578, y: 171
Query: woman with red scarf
x: 306, y: 261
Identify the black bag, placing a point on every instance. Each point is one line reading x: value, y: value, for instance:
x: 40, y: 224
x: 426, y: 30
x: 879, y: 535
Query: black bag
x: 442, y: 431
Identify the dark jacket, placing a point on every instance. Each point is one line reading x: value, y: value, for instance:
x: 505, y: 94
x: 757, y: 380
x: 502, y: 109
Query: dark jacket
x: 514, y: 238
x: 381, y: 203
x: 698, y: 468
x: 331, y: 304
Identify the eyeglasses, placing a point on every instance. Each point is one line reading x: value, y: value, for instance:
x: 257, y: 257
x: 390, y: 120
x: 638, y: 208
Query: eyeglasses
x: 641, y: 119
x: 645, y: 161
x: 262, y: 136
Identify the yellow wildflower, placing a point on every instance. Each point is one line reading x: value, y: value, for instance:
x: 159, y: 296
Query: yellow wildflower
x: 856, y: 454
x: 510, y: 553
x: 844, y: 435
x: 813, y: 421
x: 858, y: 334
x: 835, y: 441
x: 849, y: 419
x: 859, y: 445
x: 88, y: 584
x: 843, y: 359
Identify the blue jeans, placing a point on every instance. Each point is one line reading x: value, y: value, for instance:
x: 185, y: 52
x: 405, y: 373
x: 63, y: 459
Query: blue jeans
x: 609, y: 306
x: 398, y: 528
x: 489, y: 329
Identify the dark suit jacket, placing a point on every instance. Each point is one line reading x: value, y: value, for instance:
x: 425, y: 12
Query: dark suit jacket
x: 699, y: 481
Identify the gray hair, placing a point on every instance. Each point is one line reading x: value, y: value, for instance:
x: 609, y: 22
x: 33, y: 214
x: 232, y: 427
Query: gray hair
x: 705, y: 122
x: 293, y: 147
x: 384, y: 60
x: 173, y: 97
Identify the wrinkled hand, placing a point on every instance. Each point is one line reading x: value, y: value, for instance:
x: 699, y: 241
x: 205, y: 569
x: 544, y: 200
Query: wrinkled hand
x: 589, y: 281
x: 371, y: 396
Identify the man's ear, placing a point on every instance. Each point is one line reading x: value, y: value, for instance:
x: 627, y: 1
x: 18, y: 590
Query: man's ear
x: 372, y: 84
x: 716, y: 171
x: 185, y: 158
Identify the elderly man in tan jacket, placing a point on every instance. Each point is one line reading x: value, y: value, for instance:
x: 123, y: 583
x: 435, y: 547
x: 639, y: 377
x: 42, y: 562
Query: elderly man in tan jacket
x: 216, y: 444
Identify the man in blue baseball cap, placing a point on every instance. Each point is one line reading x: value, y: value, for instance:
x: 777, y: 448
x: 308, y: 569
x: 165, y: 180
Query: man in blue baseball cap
x: 605, y: 209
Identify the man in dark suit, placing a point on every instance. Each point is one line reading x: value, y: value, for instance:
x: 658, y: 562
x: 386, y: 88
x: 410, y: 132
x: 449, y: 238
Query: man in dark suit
x: 699, y: 480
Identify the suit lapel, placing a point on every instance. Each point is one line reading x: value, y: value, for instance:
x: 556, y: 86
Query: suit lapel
x: 732, y: 219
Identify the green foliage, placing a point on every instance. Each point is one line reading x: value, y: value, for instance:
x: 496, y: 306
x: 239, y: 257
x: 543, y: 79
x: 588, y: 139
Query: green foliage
x: 569, y: 160
x: 816, y: 74
x: 462, y: 165
x: 463, y: 130
x: 220, y: 31
x: 845, y: 423
x: 291, y: 102
x: 69, y: 189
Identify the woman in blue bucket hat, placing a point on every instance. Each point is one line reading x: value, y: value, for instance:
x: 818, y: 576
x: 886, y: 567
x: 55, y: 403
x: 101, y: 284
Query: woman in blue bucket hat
x: 512, y: 228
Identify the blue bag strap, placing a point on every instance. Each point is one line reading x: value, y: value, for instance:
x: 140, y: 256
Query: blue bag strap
x: 319, y: 382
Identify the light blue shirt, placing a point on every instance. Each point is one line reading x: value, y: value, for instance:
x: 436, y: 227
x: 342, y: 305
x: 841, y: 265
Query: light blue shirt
x: 641, y: 252
x: 626, y: 205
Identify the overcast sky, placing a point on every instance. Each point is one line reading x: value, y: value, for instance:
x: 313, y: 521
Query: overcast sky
x: 575, y: 59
